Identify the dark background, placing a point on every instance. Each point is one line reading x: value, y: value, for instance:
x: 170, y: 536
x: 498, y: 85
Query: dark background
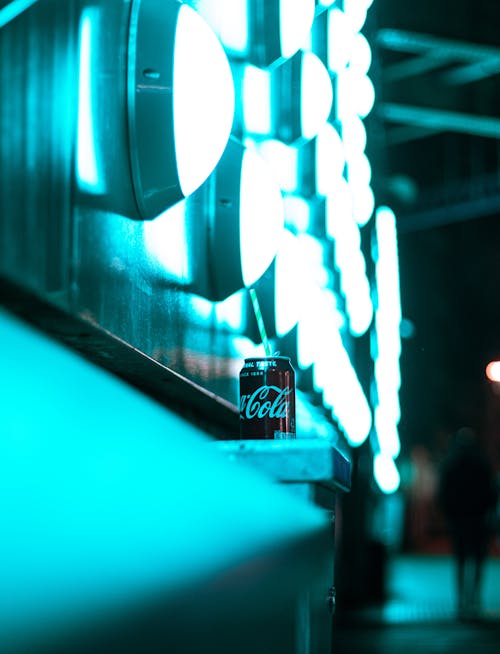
x: 445, y: 189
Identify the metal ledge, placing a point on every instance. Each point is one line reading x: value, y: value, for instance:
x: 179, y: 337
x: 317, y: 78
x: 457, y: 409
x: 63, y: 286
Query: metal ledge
x: 315, y: 461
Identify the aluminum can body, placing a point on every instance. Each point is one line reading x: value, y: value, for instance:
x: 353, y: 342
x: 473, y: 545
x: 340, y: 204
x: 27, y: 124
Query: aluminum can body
x: 267, y: 398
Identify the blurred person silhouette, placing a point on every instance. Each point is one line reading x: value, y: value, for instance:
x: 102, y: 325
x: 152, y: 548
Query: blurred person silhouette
x: 467, y: 495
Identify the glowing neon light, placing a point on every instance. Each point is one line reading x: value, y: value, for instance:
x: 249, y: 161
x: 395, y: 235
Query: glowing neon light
x: 387, y: 336
x: 296, y: 19
x: 355, y: 94
x: 297, y: 213
x: 86, y: 157
x: 229, y: 20
x: 340, y: 39
x: 330, y: 159
x: 203, y: 100
x: 283, y: 162
x: 316, y: 95
x: 386, y: 474
x: 348, y: 258
x: 334, y: 374
x: 261, y: 217
x: 257, y: 100
x: 289, y: 284
x: 13, y: 10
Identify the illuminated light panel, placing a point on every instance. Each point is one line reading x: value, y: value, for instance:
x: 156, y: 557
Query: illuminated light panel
x: 297, y: 213
x: 387, y: 332
x: 229, y: 20
x: 355, y: 94
x: 349, y: 259
x: 361, y: 55
x: 282, y: 160
x: 330, y: 159
x: 355, y: 12
x: 353, y: 134
x: 316, y: 95
x: 334, y: 374
x: 493, y: 371
x: 261, y: 217
x: 13, y: 10
x: 296, y: 19
x: 340, y: 39
x: 289, y: 284
x: 385, y: 473
x: 359, y: 170
x: 202, y: 308
x: 257, y: 100
x: 363, y: 203
x: 229, y: 313
x: 87, y: 169
x: 203, y: 99
x: 165, y: 238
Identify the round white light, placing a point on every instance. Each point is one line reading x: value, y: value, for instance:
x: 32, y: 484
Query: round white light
x: 361, y: 54
x: 203, y: 100
x: 340, y: 38
x: 363, y: 203
x: 316, y: 95
x: 296, y: 19
x: 385, y: 472
x: 330, y: 159
x: 261, y: 217
x: 355, y: 94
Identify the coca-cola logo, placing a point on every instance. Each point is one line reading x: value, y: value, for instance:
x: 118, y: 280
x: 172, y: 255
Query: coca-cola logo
x: 266, y: 401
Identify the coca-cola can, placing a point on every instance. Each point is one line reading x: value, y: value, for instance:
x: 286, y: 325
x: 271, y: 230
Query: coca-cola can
x: 267, y: 398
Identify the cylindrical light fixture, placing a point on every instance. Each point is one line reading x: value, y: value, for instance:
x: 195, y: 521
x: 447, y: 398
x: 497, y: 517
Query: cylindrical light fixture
x: 180, y: 102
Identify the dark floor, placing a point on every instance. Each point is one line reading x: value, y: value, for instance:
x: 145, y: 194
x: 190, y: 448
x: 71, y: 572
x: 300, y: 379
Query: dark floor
x: 420, y: 616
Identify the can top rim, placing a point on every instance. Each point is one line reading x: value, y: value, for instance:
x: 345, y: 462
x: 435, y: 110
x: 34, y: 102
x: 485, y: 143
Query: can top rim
x: 276, y: 358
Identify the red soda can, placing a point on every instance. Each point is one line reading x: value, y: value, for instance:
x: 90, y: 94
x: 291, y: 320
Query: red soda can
x: 267, y: 398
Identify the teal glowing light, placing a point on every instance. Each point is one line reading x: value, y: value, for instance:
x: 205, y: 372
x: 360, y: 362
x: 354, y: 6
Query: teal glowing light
x: 87, y: 168
x: 316, y: 95
x: 283, y: 162
x: 297, y: 213
x: 229, y: 20
x: 203, y: 99
x: 340, y: 39
x: 363, y: 202
x: 165, y: 239
x: 361, y: 54
x: 385, y: 473
x: 335, y: 376
x: 387, y: 332
x: 296, y: 19
x: 261, y: 217
x: 353, y: 134
x: 289, y: 284
x: 355, y: 11
x: 330, y: 159
x: 13, y: 10
x: 355, y: 94
x: 257, y: 100
x: 349, y: 259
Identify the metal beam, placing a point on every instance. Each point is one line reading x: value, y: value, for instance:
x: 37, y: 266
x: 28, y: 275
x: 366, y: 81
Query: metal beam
x: 415, y: 65
x: 403, y: 134
x: 440, y: 120
x: 426, y: 44
x: 472, y: 72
